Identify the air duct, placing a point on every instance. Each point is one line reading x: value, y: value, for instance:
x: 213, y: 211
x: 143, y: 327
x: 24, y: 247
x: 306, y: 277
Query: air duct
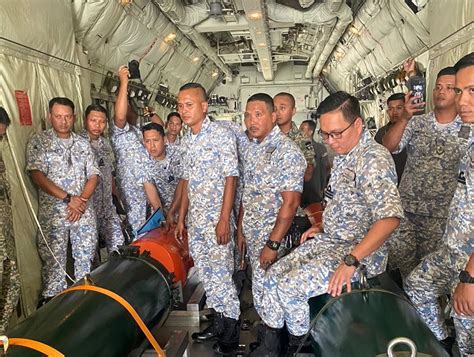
x: 185, y: 17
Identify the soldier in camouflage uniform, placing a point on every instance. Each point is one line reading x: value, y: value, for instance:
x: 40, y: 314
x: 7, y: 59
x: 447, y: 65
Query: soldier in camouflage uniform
x: 435, y: 143
x: 174, y: 124
x: 132, y: 160
x: 210, y: 172
x: 108, y: 222
x: 439, y: 273
x: 273, y: 175
x: 63, y: 166
x: 9, y: 277
x: 363, y: 208
x: 285, y: 109
x: 165, y: 170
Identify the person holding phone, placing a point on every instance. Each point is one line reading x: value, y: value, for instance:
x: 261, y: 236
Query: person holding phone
x: 451, y: 268
x: 435, y: 143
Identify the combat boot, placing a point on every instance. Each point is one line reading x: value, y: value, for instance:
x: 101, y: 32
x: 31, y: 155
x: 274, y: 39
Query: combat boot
x: 229, y: 339
x: 294, y: 343
x: 269, y: 344
x: 211, y: 332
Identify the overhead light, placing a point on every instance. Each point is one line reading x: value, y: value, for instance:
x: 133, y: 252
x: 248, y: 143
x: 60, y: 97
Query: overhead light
x: 325, y: 70
x: 259, y: 32
x: 170, y: 37
x: 262, y: 44
x: 255, y: 15
x: 195, y: 59
x: 215, y: 74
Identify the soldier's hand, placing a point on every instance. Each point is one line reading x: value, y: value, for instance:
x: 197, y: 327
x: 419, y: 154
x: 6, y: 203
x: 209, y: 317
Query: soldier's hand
x: 311, y: 232
x: 169, y: 222
x: 179, y: 231
x: 77, y: 204
x: 267, y: 257
x: 241, y: 243
x: 223, y: 231
x: 463, y: 299
x: 123, y: 74
x: 73, y: 215
x: 411, y: 107
x: 341, y: 276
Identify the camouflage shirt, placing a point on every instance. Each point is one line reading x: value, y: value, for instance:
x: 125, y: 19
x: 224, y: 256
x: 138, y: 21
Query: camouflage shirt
x: 271, y: 167
x: 209, y: 157
x: 68, y: 164
x: 303, y: 143
x: 433, y: 154
x: 362, y: 190
x: 165, y: 174
x: 459, y: 233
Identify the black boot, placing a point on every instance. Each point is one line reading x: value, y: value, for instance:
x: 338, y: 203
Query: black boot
x: 269, y: 344
x: 260, y: 332
x: 211, y: 332
x: 448, y: 343
x: 294, y: 343
x: 229, y: 339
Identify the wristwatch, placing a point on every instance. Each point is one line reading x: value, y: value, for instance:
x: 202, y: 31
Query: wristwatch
x: 273, y: 245
x: 67, y: 199
x: 465, y: 277
x: 351, y: 261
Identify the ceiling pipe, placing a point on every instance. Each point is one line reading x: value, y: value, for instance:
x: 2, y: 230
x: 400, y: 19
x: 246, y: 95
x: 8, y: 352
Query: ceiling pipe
x: 325, y: 15
x: 185, y: 17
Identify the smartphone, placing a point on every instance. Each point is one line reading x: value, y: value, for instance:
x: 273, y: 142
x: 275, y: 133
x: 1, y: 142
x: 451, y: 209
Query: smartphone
x: 418, y: 90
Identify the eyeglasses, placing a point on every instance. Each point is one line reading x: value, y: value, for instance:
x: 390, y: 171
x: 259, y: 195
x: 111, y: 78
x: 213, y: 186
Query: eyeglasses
x: 335, y: 134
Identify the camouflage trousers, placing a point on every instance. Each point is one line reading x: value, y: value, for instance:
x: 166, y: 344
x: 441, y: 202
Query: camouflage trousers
x: 135, y: 206
x: 109, y: 228
x: 215, y: 266
x: 294, y: 279
x: 416, y: 237
x: 435, y: 276
x: 256, y: 239
x: 83, y: 238
x: 10, y: 278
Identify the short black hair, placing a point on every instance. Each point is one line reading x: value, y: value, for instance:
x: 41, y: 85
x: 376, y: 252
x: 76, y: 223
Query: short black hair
x: 153, y: 126
x: 96, y: 108
x: 396, y: 96
x: 173, y: 114
x: 343, y: 101
x: 192, y: 85
x: 447, y: 71
x: 61, y: 101
x: 311, y: 124
x: 4, y: 118
x: 289, y: 95
x: 466, y: 61
x: 263, y: 97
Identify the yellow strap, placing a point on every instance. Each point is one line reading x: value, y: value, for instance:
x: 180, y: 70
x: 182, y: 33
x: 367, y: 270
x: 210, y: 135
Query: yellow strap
x: 32, y: 344
x: 127, y: 307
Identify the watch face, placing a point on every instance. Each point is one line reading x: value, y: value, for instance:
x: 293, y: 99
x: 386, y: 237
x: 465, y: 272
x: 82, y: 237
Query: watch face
x: 349, y: 260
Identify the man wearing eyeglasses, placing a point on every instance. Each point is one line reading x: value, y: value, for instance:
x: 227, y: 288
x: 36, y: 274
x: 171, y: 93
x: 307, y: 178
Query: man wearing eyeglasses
x: 363, y: 209
x: 435, y: 143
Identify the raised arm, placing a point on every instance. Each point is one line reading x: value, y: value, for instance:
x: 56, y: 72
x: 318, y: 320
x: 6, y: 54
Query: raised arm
x: 121, y: 104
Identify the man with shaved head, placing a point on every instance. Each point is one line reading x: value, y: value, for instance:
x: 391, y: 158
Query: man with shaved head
x: 210, y: 171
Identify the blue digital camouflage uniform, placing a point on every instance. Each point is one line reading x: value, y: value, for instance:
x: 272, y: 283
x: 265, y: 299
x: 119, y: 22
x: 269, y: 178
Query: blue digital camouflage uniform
x: 108, y: 221
x: 210, y: 157
x: 9, y: 276
x: 69, y: 164
x: 132, y: 162
x: 438, y: 273
x: 165, y: 175
x: 303, y: 143
x: 426, y: 188
x: 242, y: 142
x: 271, y: 167
x: 362, y: 190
